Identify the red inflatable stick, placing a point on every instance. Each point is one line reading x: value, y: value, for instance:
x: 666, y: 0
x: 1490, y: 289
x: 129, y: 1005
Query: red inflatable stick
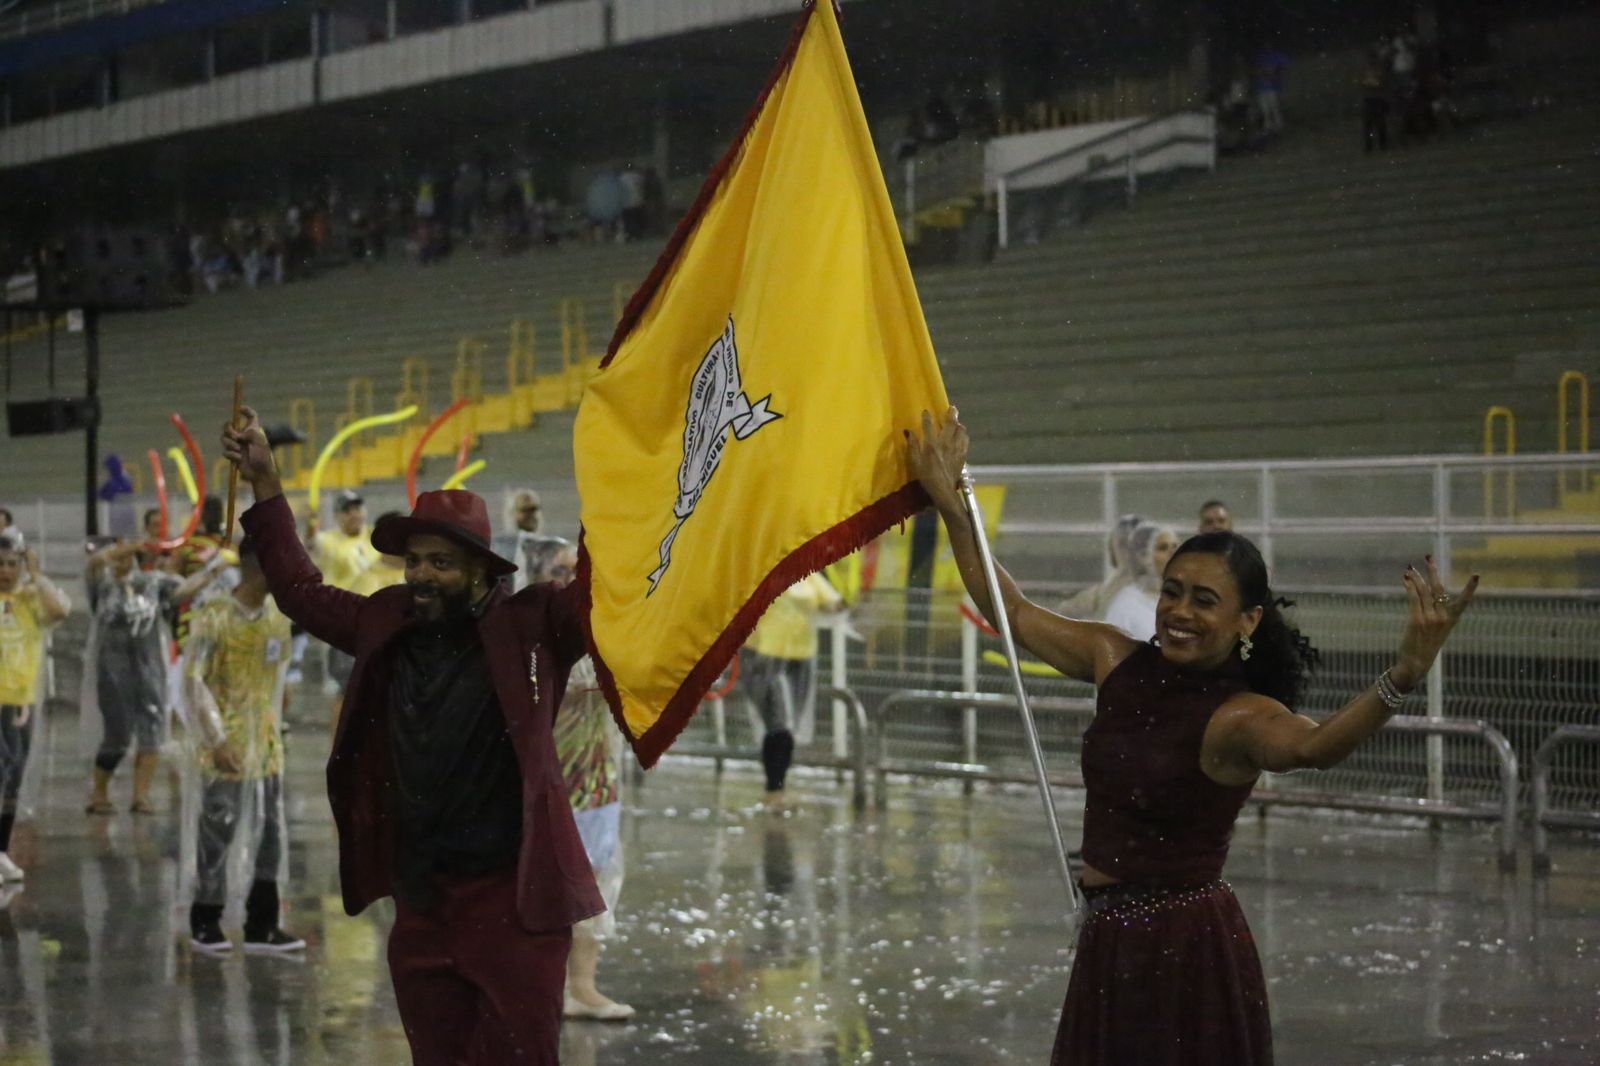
x: 199, y: 463
x: 159, y: 477
x: 422, y: 442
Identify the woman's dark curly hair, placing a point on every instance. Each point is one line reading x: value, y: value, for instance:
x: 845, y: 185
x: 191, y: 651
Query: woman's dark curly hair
x: 1282, y: 658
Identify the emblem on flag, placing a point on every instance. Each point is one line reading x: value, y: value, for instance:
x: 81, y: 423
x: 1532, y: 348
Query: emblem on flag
x: 717, y: 403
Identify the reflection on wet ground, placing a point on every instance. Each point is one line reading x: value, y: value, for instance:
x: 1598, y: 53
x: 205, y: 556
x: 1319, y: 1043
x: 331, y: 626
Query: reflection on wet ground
x: 930, y: 933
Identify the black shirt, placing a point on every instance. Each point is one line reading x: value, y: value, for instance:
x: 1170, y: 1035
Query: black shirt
x: 460, y: 787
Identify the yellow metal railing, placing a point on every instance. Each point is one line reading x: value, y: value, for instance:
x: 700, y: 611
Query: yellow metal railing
x: 358, y: 405
x: 466, y: 382
x: 303, y: 419
x: 520, y: 372
x: 1499, y: 415
x: 414, y: 387
x: 619, y: 301
x: 1565, y: 417
x: 574, y: 333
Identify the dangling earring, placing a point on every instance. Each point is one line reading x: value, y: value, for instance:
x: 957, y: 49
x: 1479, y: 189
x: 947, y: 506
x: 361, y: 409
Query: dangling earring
x: 1246, y: 646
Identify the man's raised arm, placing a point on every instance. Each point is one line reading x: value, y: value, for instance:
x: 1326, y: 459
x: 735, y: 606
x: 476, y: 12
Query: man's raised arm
x: 327, y: 613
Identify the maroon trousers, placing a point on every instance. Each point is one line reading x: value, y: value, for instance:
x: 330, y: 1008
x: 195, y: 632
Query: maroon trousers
x: 474, y: 988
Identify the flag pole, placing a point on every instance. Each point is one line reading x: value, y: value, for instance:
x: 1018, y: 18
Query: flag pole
x: 991, y: 578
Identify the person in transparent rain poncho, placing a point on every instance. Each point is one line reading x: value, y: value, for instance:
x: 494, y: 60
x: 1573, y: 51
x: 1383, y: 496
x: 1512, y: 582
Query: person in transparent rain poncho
x: 29, y: 609
x: 127, y: 658
x: 589, y: 749
x: 1133, y: 608
x: 1091, y: 602
x: 234, y: 665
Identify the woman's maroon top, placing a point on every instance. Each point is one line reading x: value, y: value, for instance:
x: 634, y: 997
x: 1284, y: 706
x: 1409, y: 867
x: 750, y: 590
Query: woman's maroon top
x: 1152, y: 814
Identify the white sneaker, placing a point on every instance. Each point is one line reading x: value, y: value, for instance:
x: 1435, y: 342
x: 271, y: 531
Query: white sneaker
x: 9, y: 871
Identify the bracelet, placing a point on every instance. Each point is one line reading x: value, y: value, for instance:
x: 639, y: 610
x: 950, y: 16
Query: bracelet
x: 1391, y: 695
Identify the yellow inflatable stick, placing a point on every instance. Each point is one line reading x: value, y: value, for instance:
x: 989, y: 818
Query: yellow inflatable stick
x: 315, y: 491
x: 1028, y: 666
x: 459, y: 478
x: 181, y: 461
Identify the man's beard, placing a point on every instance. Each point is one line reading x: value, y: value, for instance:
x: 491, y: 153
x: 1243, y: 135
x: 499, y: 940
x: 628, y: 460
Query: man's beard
x: 442, y: 606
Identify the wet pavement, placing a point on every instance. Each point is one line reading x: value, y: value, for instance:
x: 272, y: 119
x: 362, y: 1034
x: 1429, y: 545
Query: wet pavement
x: 930, y: 933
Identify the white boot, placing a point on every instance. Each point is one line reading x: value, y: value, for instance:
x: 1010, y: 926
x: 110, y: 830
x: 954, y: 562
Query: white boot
x: 9, y: 871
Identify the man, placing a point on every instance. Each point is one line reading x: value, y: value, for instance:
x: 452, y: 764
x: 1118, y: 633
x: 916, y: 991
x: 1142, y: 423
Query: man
x: 129, y: 665
x: 1214, y: 517
x: 151, y: 523
x: 443, y: 777
x: 234, y: 667
x: 27, y: 611
x: 343, y: 554
x: 525, y: 513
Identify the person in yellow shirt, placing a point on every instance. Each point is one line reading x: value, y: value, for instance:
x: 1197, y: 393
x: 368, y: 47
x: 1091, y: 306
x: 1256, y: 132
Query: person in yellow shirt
x: 234, y: 668
x: 27, y: 612
x: 343, y: 554
x: 777, y: 670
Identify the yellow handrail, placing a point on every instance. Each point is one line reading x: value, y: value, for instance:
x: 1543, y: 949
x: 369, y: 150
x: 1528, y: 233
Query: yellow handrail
x: 414, y: 386
x: 619, y: 301
x: 574, y: 333
x: 1563, y: 418
x: 1562, y: 410
x: 303, y: 419
x: 1503, y: 414
x: 520, y: 370
x: 358, y: 404
x: 466, y: 382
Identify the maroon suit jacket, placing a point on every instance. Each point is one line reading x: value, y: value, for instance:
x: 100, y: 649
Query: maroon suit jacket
x: 536, y: 634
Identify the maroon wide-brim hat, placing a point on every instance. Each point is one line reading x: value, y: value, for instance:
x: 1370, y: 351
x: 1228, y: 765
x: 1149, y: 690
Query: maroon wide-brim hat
x: 454, y: 514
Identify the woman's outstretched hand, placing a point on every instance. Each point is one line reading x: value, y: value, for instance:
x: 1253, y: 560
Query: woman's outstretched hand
x: 1434, y: 612
x: 937, y: 457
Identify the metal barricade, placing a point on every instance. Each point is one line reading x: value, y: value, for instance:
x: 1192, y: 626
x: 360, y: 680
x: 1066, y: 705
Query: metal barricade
x: 719, y: 749
x: 1543, y: 814
x: 1270, y: 792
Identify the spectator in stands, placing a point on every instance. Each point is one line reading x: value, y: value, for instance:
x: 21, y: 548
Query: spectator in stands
x: 9, y: 530
x: 1091, y: 603
x: 1272, y: 68
x: 1215, y: 517
x: 151, y: 524
x: 1133, y: 608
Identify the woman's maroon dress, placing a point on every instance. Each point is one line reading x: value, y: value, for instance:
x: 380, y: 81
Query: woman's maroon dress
x: 1166, y: 972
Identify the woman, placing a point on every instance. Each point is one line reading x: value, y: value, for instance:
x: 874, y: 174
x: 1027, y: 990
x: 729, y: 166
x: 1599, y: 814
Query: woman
x: 1166, y: 972
x: 1133, y: 608
x: 586, y: 744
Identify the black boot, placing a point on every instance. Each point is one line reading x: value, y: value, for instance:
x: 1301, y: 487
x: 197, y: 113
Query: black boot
x: 205, y: 929
x: 261, y: 931
x: 777, y: 751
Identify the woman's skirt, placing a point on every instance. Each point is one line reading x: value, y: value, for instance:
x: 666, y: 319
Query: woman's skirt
x: 1164, y: 976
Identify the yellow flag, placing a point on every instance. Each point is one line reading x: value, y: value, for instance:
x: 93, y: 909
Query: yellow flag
x: 746, y: 427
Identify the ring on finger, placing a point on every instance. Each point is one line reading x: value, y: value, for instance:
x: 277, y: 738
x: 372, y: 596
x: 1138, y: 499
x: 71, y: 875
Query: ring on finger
x: 1442, y: 599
